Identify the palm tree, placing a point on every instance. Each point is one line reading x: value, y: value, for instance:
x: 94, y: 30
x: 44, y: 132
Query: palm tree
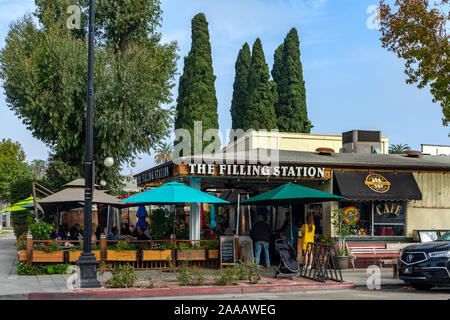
x: 38, y: 167
x: 163, y: 152
x: 398, y: 148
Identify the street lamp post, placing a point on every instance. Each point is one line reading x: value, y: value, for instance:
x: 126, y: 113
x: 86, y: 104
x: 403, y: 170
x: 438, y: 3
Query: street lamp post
x: 87, y: 261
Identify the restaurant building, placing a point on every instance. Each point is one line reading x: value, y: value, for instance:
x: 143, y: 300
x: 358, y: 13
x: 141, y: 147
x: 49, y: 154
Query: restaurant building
x: 393, y: 194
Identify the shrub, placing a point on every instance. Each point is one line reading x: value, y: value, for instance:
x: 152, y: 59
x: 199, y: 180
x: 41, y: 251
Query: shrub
x: 123, y: 276
x: 227, y: 277
x: 39, y: 268
x: 41, y: 230
x: 248, y: 271
x: 121, y: 245
x: 190, y: 276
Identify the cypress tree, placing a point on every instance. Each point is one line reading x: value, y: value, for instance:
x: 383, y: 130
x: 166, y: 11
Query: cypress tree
x: 196, y: 92
x: 260, y: 112
x: 287, y: 72
x: 240, y: 87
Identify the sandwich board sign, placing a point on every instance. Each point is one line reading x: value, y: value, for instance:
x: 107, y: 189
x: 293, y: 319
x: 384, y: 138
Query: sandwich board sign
x: 227, y: 251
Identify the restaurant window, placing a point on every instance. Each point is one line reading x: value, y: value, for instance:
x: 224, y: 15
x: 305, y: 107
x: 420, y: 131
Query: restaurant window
x: 378, y: 218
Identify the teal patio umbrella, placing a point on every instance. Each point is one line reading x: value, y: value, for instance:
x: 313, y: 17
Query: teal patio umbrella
x: 172, y: 193
x: 289, y: 194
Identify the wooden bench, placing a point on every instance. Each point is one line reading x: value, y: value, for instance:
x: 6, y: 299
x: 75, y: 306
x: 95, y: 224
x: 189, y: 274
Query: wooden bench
x: 376, y: 251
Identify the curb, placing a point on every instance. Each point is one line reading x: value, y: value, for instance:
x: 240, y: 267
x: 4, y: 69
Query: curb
x: 162, y: 292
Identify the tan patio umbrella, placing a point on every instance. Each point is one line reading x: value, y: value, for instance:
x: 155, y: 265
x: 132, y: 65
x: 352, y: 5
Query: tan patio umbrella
x: 73, y: 193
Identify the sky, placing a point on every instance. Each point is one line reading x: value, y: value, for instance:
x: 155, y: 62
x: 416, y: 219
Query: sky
x: 351, y: 81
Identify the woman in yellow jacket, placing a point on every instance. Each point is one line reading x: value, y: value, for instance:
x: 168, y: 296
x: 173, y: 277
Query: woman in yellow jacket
x: 307, y: 235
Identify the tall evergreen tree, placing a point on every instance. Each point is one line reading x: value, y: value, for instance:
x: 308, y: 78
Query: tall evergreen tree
x: 287, y: 72
x: 196, y: 93
x: 260, y: 112
x: 240, y: 87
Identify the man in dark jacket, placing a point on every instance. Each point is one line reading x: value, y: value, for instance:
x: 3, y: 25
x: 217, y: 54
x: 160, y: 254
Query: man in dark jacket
x: 260, y: 235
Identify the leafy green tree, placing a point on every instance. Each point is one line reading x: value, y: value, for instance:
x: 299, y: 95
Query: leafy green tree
x: 13, y: 170
x: 44, y: 70
x: 196, y: 92
x: 417, y: 32
x: 260, y: 112
x: 240, y: 87
x: 398, y: 148
x: 287, y: 72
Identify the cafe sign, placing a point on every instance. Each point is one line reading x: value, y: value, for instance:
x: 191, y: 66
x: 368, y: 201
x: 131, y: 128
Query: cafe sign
x: 376, y: 182
x: 257, y: 170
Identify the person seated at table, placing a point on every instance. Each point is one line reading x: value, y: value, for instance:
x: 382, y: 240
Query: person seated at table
x: 124, y: 230
x: 114, y: 234
x: 141, y: 235
x: 74, y: 234
x: 54, y: 234
x: 80, y: 232
x: 99, y: 232
x: 61, y: 233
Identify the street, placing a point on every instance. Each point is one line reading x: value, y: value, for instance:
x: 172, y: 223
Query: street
x: 394, y: 293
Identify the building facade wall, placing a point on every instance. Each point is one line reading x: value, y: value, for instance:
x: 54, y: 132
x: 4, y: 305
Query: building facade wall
x: 291, y: 142
x: 433, y: 211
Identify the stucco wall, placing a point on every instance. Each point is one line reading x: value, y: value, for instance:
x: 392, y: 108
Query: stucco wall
x: 433, y: 211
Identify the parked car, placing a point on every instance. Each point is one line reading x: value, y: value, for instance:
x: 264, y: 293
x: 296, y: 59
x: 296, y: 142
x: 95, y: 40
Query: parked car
x: 426, y: 265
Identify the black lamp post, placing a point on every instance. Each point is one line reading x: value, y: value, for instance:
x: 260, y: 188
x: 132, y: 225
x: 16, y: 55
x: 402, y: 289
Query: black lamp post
x: 87, y: 261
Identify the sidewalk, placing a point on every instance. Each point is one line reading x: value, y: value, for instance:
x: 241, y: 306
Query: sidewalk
x: 13, y: 286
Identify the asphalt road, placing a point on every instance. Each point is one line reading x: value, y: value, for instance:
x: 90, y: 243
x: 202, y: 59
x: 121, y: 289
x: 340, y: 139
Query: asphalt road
x: 393, y: 293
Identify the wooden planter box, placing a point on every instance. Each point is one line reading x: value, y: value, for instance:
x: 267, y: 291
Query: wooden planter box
x: 42, y: 256
x: 156, y: 255
x: 183, y: 255
x: 123, y: 255
x: 22, y: 255
x: 75, y: 255
x: 213, y: 254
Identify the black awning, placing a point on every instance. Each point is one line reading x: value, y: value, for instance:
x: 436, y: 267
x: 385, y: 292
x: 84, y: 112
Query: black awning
x: 377, y: 185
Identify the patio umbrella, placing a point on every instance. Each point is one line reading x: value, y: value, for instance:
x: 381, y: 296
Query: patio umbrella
x: 173, y: 193
x: 20, y: 206
x: 289, y: 194
x: 141, y: 214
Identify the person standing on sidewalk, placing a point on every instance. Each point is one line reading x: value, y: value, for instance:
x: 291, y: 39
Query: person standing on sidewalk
x: 307, y: 234
x: 260, y: 235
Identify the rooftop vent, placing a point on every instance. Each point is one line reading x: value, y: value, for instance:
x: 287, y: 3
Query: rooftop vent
x: 413, y: 154
x: 325, y: 151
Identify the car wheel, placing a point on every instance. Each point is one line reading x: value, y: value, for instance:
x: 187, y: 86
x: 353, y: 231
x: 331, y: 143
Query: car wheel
x: 421, y: 287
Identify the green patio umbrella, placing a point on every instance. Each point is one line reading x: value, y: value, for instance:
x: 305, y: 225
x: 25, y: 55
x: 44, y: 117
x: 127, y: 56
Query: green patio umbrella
x: 20, y: 206
x: 289, y: 194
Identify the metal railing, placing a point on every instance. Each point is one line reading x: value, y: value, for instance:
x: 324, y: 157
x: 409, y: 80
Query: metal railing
x: 322, y: 259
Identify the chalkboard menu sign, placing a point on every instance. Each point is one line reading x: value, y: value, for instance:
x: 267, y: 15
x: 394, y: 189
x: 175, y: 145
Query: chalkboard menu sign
x: 227, y: 252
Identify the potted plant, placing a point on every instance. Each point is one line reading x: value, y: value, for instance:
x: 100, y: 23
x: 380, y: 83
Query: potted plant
x: 76, y: 251
x: 343, y: 226
x: 48, y: 251
x: 160, y: 251
x: 212, y: 248
x: 121, y: 252
x: 189, y: 251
